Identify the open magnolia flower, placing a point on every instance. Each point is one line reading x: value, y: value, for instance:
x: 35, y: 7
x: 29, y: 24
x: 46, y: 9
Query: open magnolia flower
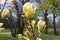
x: 1, y: 24
x: 6, y: 12
x: 28, y: 10
x: 41, y: 25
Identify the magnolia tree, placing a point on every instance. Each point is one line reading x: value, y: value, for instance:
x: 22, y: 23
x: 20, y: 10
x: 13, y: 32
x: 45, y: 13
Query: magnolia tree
x: 32, y: 24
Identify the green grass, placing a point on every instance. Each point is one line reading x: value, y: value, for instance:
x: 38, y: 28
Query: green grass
x: 49, y: 36
x: 5, y: 30
x: 8, y: 38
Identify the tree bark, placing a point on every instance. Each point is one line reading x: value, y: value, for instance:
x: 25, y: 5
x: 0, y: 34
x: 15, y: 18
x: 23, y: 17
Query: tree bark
x: 54, y: 26
x: 46, y: 20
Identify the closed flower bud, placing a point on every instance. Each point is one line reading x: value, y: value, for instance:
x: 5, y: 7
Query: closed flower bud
x: 41, y: 25
x: 20, y: 37
x: 6, y: 12
x: 28, y: 10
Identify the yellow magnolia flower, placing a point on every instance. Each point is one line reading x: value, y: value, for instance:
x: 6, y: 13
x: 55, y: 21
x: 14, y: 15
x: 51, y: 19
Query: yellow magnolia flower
x: 1, y: 29
x: 13, y: 1
x: 20, y: 37
x: 6, y: 12
x: 28, y: 10
x: 41, y: 25
x: 1, y: 24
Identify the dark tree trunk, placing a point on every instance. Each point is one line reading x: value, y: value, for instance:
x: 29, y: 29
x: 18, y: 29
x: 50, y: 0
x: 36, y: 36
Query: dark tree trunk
x: 18, y: 28
x: 46, y: 20
x: 54, y: 26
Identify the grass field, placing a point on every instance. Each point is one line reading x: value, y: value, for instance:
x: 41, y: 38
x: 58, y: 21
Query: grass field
x: 49, y: 36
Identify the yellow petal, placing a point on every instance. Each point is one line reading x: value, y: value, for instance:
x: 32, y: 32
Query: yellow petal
x: 27, y: 9
x: 41, y: 25
x: 20, y: 36
x: 5, y: 13
x: 1, y: 24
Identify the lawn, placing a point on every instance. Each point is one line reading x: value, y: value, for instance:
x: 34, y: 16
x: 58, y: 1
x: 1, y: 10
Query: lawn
x: 49, y: 36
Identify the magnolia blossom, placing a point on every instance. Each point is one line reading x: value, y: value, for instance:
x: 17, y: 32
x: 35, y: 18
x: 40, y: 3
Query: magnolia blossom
x: 28, y: 10
x: 6, y: 12
x: 41, y: 25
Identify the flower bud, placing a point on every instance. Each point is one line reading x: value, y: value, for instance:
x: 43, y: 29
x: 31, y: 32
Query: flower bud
x: 41, y: 25
x: 20, y: 36
x: 28, y: 10
x: 6, y: 12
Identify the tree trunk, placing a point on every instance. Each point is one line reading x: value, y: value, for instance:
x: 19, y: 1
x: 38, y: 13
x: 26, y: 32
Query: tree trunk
x: 54, y: 26
x: 18, y: 28
x: 46, y: 20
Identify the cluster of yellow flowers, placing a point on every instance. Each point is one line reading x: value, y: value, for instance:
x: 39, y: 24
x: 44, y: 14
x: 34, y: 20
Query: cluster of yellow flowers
x: 1, y: 24
x: 6, y: 12
x: 28, y: 10
x: 29, y: 13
